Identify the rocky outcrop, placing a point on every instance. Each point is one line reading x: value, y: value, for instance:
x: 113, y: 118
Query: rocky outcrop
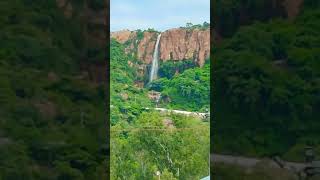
x: 146, y: 47
x: 123, y: 35
x: 175, y: 44
x: 292, y: 8
x: 143, y: 47
x: 180, y: 44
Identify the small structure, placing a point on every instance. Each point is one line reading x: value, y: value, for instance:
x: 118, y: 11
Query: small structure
x: 154, y: 95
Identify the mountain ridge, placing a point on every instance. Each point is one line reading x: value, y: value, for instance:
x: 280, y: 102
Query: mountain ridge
x: 175, y: 44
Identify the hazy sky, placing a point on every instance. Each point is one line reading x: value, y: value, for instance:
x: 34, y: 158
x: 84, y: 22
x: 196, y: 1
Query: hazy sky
x: 157, y: 14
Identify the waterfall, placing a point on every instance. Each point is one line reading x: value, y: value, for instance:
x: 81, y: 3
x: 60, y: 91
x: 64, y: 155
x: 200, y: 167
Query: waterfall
x: 155, y: 61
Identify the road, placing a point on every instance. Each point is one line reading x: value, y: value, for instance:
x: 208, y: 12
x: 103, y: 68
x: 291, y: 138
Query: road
x: 247, y: 162
x: 188, y: 113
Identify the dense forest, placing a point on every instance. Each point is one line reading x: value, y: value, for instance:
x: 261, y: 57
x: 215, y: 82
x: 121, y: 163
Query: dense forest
x: 52, y: 115
x: 144, y: 141
x: 266, y: 90
x: 187, y: 90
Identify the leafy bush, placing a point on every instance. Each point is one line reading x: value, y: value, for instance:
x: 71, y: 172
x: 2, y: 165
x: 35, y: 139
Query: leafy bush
x: 265, y: 83
x: 47, y: 111
x: 189, y: 90
x: 143, y: 153
x: 170, y: 67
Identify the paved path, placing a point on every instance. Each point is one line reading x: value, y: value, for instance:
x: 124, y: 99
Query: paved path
x: 188, y: 113
x: 249, y: 162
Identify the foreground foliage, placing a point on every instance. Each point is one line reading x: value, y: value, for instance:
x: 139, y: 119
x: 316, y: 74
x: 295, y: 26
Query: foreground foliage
x: 266, y: 88
x: 52, y: 117
x: 180, y: 151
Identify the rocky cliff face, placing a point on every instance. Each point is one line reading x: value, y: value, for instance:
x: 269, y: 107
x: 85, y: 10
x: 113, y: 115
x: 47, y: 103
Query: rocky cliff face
x: 179, y: 44
x: 175, y: 44
x: 123, y: 36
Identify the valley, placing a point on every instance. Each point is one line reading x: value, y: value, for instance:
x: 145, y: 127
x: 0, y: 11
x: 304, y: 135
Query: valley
x: 159, y: 95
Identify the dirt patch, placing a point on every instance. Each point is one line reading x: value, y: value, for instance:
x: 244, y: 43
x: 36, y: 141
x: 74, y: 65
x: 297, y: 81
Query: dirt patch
x: 292, y: 8
x: 46, y: 108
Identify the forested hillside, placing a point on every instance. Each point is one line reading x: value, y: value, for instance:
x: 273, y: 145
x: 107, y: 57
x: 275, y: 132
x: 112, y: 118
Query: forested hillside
x: 144, y: 141
x: 266, y: 89
x: 184, y: 64
x: 127, y: 100
x: 52, y: 120
x: 187, y: 90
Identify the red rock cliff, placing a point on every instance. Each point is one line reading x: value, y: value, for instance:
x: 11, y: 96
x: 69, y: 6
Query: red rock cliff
x: 175, y: 44
x: 179, y: 44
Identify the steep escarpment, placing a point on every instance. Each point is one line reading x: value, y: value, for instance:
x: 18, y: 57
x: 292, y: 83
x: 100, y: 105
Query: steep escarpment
x: 180, y: 44
x: 175, y: 44
x: 123, y: 35
x: 145, y: 47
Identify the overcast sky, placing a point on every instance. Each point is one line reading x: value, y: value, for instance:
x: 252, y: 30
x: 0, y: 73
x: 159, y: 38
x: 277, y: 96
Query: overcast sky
x: 158, y: 14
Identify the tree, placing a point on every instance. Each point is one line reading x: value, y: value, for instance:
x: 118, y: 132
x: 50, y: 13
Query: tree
x: 189, y: 25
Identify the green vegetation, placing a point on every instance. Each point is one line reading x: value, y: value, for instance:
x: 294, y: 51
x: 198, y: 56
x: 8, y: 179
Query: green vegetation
x: 233, y: 13
x: 139, y: 34
x: 191, y: 26
x: 96, y: 4
x: 182, y: 154
x: 144, y: 141
x: 151, y: 30
x: 52, y: 118
x: 189, y: 90
x: 266, y: 85
x: 127, y: 100
x: 170, y: 67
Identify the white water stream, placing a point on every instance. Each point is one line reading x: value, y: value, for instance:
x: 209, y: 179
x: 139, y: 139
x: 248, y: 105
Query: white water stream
x: 155, y: 61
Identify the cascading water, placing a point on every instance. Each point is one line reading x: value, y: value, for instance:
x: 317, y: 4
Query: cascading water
x: 155, y: 61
